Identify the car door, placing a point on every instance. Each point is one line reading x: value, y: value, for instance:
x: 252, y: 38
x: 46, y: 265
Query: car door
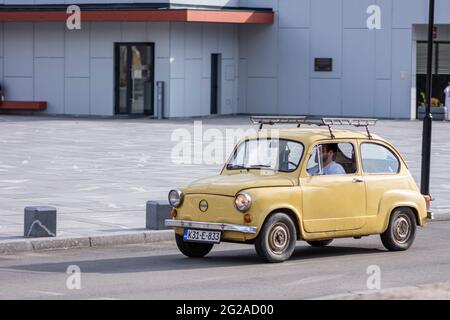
x: 333, y: 202
x: 381, y: 169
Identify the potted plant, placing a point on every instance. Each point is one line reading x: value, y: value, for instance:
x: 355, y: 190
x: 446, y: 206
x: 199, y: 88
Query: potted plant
x: 438, y: 110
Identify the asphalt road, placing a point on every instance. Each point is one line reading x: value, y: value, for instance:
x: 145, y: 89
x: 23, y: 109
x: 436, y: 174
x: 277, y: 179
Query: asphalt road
x: 158, y: 271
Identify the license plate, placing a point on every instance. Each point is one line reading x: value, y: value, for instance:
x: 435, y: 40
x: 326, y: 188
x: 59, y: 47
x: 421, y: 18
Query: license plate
x: 202, y: 236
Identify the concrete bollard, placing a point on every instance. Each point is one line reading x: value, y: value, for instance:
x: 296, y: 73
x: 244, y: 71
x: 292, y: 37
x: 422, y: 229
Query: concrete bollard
x: 157, y: 212
x: 39, y: 222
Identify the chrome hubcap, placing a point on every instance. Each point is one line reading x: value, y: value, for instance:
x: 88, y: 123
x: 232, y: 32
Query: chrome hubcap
x: 402, y: 228
x: 279, y: 238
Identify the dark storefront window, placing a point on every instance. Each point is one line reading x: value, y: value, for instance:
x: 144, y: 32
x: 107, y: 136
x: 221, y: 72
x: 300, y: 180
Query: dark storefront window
x: 134, y: 78
x: 441, y: 70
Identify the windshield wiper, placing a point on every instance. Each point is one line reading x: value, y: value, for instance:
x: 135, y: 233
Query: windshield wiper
x: 241, y: 167
x: 236, y: 167
x: 259, y: 166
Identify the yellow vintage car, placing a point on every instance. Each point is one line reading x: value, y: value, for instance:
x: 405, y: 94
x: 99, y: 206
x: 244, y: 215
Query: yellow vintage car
x: 307, y: 183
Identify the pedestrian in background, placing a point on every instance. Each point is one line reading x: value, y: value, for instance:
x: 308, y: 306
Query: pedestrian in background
x: 447, y: 100
x: 447, y: 96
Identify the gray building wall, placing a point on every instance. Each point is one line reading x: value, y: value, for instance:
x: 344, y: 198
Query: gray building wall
x: 190, y: 69
x: 374, y: 70
x: 74, y: 70
x: 266, y: 69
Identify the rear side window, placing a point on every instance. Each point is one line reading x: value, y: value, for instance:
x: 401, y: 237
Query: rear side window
x: 378, y: 159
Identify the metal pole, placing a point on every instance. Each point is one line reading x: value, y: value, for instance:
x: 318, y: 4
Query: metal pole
x: 160, y: 99
x: 428, y: 120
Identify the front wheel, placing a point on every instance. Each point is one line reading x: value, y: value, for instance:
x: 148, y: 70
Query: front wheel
x: 277, y: 239
x: 192, y: 250
x: 401, y: 231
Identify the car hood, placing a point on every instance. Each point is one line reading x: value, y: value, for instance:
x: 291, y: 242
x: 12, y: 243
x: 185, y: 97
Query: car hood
x: 230, y: 185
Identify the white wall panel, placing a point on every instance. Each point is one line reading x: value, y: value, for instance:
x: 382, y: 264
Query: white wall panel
x: 77, y: 96
x: 49, y: 40
x: 102, y: 87
x: 77, y: 52
x: 49, y: 83
x: 18, y: 49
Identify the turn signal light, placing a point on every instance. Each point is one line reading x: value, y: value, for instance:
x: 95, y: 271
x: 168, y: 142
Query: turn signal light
x: 428, y: 200
x: 247, y: 218
x: 174, y: 213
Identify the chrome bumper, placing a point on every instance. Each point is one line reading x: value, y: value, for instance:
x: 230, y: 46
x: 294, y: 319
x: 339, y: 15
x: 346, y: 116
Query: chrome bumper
x: 210, y: 226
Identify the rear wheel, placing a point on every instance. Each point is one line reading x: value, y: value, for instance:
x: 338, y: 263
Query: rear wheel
x: 192, y: 250
x: 401, y: 231
x: 277, y: 239
x: 319, y: 243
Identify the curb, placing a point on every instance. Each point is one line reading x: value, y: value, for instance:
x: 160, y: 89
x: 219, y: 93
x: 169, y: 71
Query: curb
x: 9, y: 247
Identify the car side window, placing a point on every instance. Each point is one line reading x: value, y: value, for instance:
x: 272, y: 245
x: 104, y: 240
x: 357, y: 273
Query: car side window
x: 377, y: 158
x: 332, y: 159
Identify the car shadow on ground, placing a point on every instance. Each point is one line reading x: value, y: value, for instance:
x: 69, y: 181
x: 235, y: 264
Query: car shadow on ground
x: 177, y: 262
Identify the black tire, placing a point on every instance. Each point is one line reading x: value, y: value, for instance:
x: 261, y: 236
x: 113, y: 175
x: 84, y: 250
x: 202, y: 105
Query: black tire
x: 401, y: 230
x: 277, y: 239
x: 319, y: 243
x: 193, y: 250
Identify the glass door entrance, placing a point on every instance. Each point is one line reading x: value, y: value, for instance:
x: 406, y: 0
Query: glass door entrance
x: 134, y: 78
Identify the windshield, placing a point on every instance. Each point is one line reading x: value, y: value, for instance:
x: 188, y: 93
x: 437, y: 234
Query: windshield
x: 274, y: 154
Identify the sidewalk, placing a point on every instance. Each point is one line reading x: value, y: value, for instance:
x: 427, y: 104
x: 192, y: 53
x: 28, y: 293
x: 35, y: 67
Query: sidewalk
x: 99, y: 173
x: 439, y: 291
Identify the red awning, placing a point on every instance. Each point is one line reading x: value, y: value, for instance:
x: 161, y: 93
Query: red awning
x: 247, y: 16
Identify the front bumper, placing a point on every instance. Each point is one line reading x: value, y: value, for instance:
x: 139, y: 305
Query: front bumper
x: 210, y: 226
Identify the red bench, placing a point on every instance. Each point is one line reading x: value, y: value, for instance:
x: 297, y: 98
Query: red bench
x: 23, y: 105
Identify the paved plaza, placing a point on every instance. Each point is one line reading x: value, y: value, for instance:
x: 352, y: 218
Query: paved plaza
x: 100, y: 173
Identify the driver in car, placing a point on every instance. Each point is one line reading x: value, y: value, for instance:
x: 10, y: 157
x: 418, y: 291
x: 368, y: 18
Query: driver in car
x: 330, y: 167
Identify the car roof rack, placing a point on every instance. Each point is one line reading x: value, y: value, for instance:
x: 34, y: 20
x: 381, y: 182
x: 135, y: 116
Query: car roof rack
x: 356, y: 122
x: 269, y: 120
x: 328, y: 122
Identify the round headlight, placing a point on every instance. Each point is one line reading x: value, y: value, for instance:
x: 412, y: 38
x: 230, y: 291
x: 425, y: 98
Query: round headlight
x: 243, y: 202
x: 175, y: 198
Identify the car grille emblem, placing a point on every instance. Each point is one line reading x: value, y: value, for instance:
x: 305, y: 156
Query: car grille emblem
x: 203, y: 206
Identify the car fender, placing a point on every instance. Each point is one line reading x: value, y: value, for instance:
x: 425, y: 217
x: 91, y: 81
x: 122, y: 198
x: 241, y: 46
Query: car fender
x: 266, y: 201
x: 393, y: 199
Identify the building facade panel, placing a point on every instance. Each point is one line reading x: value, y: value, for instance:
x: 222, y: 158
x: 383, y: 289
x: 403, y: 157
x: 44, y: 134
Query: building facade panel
x: 49, y: 83
x: 102, y: 87
x: 77, y: 96
x: 326, y: 38
x: 77, y: 52
x: 326, y: 97
x: 294, y: 71
x: 159, y: 33
x: 401, y: 73
x: 193, y: 86
x: 383, y: 98
x: 358, y: 63
x: 266, y: 99
x: 18, y: 49
x: 374, y: 72
x: 103, y: 36
x: 19, y: 88
x: 294, y: 13
x: 406, y: 13
x: 49, y: 40
x: 262, y: 52
x: 264, y: 69
x: 352, y: 17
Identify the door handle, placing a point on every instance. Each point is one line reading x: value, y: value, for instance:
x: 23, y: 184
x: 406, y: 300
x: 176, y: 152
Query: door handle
x: 358, y: 180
